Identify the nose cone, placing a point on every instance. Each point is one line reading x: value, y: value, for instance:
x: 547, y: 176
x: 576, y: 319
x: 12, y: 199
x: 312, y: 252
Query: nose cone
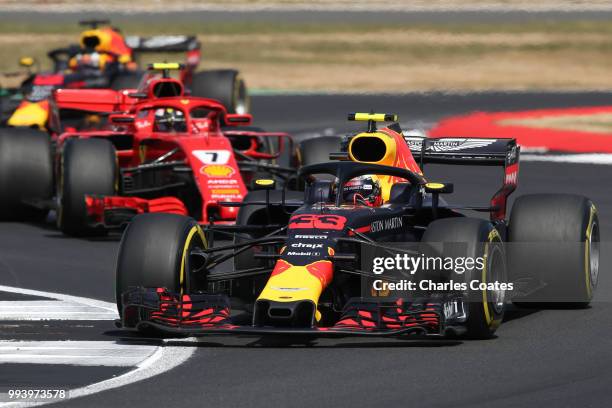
x: 293, y: 282
x: 292, y: 292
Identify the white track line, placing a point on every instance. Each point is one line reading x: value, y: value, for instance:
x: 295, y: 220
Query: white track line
x: 52, y: 310
x: 164, y: 359
x: 66, y: 298
x: 80, y: 353
x: 153, y: 360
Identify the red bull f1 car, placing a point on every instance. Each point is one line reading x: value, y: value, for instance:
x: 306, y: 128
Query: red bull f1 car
x: 122, y: 153
x: 303, y: 263
x: 105, y: 58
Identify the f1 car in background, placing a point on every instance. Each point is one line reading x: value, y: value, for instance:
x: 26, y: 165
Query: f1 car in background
x: 105, y: 58
x: 308, y: 269
x: 121, y: 153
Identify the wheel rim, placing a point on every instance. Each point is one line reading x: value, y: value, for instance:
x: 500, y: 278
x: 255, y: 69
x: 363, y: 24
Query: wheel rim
x: 60, y: 194
x: 193, y: 281
x: 593, y: 251
x: 497, y: 296
x: 241, y: 100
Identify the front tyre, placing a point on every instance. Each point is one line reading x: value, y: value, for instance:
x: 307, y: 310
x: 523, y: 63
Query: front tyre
x: 477, y: 239
x: 26, y: 172
x: 155, y: 253
x: 87, y: 167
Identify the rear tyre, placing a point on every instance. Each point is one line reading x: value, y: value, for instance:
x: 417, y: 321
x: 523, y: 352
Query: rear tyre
x: 317, y: 150
x: 87, y: 167
x: 473, y: 238
x: 223, y: 85
x: 127, y: 80
x: 26, y: 173
x: 555, y: 239
x: 154, y: 253
x: 257, y: 215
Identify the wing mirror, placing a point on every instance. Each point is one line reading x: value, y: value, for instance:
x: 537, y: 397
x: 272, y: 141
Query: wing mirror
x: 264, y: 184
x: 435, y: 189
x: 27, y: 61
x: 439, y: 188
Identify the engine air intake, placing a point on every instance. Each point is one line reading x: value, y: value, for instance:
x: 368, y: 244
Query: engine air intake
x: 368, y: 149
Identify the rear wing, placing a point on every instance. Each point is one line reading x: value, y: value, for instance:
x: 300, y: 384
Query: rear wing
x: 467, y: 151
x: 473, y: 151
x: 93, y: 100
x: 70, y: 106
x: 167, y: 43
x: 163, y: 43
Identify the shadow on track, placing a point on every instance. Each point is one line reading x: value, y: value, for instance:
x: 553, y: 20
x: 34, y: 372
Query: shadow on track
x: 514, y: 313
x: 96, y: 236
x: 271, y: 342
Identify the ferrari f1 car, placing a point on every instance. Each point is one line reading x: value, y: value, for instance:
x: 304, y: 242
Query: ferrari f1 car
x: 304, y: 264
x: 105, y: 58
x: 154, y: 149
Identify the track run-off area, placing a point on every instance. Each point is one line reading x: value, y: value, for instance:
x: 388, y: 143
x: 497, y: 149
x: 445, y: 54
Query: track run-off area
x: 539, y: 358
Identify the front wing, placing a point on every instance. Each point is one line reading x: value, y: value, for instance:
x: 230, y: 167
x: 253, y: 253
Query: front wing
x: 201, y: 314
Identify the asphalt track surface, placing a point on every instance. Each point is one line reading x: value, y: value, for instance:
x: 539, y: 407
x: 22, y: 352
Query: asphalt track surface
x: 551, y: 358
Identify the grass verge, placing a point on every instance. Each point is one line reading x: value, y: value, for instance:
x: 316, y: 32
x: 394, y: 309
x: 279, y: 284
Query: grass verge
x: 374, y: 57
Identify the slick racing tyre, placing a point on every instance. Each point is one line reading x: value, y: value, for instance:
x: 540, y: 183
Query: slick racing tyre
x: 317, y: 150
x: 472, y: 238
x: 26, y: 173
x: 127, y: 80
x: 155, y: 253
x: 223, y: 85
x: 554, y: 240
x: 87, y: 167
x: 314, y: 151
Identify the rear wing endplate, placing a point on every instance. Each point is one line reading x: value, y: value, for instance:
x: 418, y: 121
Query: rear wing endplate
x: 169, y: 43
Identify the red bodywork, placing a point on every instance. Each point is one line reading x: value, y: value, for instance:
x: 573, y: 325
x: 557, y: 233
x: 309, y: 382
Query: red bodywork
x: 203, y: 147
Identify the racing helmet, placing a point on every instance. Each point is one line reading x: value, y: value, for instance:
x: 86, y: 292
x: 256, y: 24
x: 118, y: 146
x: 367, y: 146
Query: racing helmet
x: 87, y: 61
x: 169, y: 120
x: 364, y: 190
